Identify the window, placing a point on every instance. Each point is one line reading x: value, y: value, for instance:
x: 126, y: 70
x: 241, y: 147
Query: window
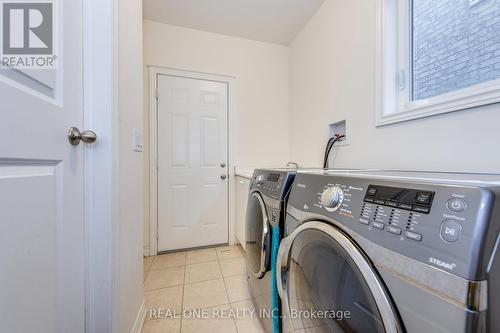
x: 436, y: 57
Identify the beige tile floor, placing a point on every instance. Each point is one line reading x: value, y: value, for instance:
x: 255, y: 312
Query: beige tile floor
x: 208, y: 282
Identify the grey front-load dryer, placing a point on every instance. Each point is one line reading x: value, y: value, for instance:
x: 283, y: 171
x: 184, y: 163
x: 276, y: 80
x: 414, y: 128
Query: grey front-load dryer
x: 391, y: 252
x: 269, y: 189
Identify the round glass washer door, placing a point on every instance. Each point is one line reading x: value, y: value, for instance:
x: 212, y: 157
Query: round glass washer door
x: 330, y: 284
x: 258, y: 236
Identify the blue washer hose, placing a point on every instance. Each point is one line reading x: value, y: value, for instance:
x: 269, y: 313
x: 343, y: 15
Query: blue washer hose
x: 274, y: 285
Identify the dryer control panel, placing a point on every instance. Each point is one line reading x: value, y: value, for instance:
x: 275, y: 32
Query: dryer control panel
x: 442, y: 225
x: 274, y: 183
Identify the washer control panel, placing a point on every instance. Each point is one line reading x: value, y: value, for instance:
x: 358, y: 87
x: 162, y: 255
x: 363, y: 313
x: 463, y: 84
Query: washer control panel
x: 443, y: 225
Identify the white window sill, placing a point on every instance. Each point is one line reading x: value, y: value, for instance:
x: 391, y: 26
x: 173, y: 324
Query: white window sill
x: 476, y: 96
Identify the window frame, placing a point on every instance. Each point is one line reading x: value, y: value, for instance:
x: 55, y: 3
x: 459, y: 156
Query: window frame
x: 393, y: 64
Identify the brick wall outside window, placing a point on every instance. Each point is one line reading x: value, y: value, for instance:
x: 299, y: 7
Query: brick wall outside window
x: 455, y: 45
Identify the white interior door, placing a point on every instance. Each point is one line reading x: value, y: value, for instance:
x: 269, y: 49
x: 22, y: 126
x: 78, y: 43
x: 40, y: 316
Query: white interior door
x: 192, y: 163
x: 41, y: 189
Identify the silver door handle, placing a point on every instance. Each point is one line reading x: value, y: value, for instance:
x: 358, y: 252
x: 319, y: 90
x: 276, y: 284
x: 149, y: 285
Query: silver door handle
x: 75, y: 136
x: 223, y: 176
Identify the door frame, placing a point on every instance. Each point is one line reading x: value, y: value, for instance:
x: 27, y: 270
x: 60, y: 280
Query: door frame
x: 153, y: 72
x: 100, y: 114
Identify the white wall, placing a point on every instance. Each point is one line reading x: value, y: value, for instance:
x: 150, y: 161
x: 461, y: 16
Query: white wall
x: 128, y: 288
x: 260, y: 115
x: 332, y: 77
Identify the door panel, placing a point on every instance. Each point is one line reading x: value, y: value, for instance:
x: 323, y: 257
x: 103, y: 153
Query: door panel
x: 40, y: 81
x: 41, y: 190
x: 192, y: 146
x: 210, y: 142
x: 179, y: 140
x: 179, y: 195
x: 37, y: 187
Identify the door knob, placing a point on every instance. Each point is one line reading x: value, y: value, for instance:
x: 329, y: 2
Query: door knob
x: 223, y: 176
x: 223, y: 165
x: 75, y: 136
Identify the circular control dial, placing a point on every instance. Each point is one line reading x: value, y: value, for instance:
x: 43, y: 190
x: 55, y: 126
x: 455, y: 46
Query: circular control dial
x: 332, y: 198
x: 260, y: 179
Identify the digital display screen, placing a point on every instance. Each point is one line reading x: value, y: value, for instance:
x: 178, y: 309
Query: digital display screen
x: 403, y: 198
x: 396, y: 194
x: 273, y: 177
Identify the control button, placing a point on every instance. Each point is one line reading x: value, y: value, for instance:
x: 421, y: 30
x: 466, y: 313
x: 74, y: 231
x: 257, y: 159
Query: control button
x: 391, y: 203
x: 421, y: 209
x: 423, y: 198
x: 371, y: 191
x: 332, y: 198
x: 451, y: 230
x: 394, y: 230
x: 413, y: 236
x: 405, y: 206
x: 456, y: 205
x: 364, y: 221
x: 379, y: 201
x: 369, y: 199
x: 378, y: 225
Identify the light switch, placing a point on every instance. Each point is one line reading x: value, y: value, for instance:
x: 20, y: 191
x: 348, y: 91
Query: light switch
x: 138, y: 140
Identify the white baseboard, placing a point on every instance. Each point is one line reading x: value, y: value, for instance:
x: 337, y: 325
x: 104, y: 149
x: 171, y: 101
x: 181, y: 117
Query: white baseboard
x: 139, y: 320
x: 148, y: 252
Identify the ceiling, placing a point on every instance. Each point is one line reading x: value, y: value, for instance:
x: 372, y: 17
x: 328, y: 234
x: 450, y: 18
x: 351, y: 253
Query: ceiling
x: 274, y: 21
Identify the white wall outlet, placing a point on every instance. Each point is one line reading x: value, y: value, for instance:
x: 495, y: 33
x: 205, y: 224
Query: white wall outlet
x: 339, y: 128
x: 137, y: 140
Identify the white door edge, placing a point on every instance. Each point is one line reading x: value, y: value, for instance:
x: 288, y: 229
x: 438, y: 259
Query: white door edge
x: 153, y: 72
x: 140, y: 319
x: 100, y: 173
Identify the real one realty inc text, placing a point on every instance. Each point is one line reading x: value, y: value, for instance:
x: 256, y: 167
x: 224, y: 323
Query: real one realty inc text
x: 227, y: 313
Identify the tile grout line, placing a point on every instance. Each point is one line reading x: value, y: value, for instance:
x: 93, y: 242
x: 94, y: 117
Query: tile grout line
x: 211, y: 262
x: 202, y: 281
x: 161, y: 255
x: 219, y: 260
x: 144, y: 285
x: 147, y: 271
x: 147, y: 267
x: 144, y: 282
x: 227, y: 293
x: 155, y: 289
x: 183, y: 292
x: 159, y: 269
x: 150, y: 265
